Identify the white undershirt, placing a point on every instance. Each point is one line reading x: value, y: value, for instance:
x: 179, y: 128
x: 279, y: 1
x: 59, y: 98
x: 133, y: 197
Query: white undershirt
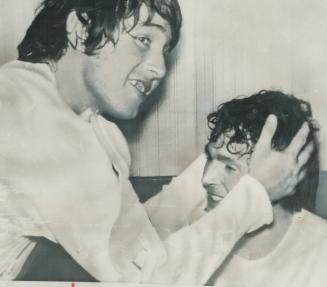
x: 300, y: 259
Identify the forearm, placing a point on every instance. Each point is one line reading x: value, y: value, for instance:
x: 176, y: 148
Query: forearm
x: 178, y: 202
x: 196, y: 251
x: 191, y: 254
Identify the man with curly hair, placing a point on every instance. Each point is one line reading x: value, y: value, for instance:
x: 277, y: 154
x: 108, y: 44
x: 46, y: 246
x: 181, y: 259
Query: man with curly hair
x: 292, y: 250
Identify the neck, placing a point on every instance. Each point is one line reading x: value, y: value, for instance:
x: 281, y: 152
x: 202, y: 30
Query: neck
x: 265, y: 240
x: 69, y: 76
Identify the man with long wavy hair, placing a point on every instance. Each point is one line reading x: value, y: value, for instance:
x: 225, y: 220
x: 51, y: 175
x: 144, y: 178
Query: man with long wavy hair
x: 65, y: 166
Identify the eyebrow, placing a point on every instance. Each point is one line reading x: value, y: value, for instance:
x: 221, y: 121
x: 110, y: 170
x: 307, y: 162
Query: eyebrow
x: 224, y: 158
x: 220, y: 157
x: 160, y: 27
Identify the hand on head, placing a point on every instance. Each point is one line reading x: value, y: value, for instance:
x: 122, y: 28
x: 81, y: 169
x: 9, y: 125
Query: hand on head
x: 279, y: 171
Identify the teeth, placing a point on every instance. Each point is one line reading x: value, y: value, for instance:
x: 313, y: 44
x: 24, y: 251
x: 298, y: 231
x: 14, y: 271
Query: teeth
x: 215, y: 197
x: 133, y: 82
x: 138, y: 85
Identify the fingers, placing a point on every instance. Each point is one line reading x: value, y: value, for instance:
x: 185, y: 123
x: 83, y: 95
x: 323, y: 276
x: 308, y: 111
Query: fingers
x: 305, y: 155
x: 302, y: 160
x: 299, y: 140
x: 301, y: 175
x: 295, y: 180
x: 268, y: 132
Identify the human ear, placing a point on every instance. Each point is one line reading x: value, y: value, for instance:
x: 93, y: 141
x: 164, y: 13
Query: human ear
x: 76, y: 32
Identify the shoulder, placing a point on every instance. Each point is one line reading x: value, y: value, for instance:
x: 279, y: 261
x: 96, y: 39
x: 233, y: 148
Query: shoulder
x: 25, y: 88
x: 313, y: 231
x: 18, y: 75
x: 310, y: 219
x: 38, y: 131
x: 314, y: 239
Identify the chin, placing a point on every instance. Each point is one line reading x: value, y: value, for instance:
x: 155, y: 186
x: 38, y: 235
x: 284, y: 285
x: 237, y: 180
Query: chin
x: 122, y: 114
x: 129, y: 116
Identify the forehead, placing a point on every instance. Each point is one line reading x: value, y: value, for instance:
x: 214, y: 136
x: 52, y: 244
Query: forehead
x: 219, y: 149
x: 148, y: 21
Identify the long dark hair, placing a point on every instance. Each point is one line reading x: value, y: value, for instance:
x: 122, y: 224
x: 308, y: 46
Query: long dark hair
x: 46, y: 38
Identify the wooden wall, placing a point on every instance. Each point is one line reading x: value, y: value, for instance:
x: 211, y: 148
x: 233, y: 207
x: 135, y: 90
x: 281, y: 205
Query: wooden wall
x: 228, y: 48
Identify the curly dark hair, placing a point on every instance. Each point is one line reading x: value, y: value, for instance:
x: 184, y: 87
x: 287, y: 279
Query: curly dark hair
x: 240, y: 121
x: 46, y: 38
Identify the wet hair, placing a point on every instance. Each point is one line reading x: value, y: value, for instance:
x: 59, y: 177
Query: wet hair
x: 46, y: 39
x: 240, y: 121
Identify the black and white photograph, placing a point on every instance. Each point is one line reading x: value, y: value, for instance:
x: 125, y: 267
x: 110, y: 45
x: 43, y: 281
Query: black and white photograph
x: 163, y: 142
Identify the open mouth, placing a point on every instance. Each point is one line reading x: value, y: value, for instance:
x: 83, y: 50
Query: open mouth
x: 214, y: 197
x: 140, y: 86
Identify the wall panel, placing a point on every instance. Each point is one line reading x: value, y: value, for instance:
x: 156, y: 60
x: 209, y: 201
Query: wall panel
x: 228, y: 48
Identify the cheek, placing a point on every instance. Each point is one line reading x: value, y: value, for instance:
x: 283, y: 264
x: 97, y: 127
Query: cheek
x: 109, y: 68
x: 127, y: 53
x: 232, y: 180
x: 103, y: 77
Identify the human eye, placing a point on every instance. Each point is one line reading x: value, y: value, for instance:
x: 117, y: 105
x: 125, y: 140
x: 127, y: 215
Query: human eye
x: 142, y: 41
x: 230, y: 168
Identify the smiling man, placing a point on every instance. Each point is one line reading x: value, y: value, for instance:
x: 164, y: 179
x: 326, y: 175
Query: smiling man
x: 65, y: 166
x: 292, y: 250
x: 138, y: 64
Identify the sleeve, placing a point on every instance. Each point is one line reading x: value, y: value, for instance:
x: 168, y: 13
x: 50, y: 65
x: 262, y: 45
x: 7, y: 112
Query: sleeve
x: 195, y: 251
x: 79, y: 202
x: 51, y: 159
x: 179, y: 202
x: 196, y: 243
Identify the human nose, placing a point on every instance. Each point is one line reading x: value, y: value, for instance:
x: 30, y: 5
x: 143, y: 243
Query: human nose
x: 212, y: 175
x: 156, y: 66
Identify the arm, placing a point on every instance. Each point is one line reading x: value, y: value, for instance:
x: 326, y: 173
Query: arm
x: 180, y: 265
x: 78, y: 202
x: 195, y: 251
x: 180, y: 202
x: 67, y: 181
x: 51, y: 161
x: 186, y: 191
x: 265, y: 160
